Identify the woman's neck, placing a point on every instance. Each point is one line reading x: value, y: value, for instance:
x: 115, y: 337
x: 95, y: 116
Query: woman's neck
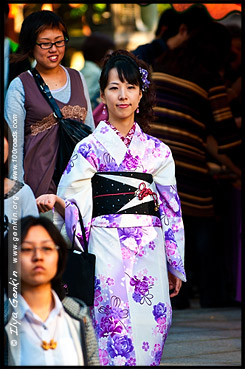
x: 55, y: 78
x: 49, y: 71
x: 40, y: 299
x: 123, y: 126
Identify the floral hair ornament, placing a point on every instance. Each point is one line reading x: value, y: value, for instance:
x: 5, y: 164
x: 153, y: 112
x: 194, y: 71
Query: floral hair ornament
x: 144, y: 75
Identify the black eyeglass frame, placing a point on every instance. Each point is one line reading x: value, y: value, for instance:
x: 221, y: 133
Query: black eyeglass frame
x: 65, y: 40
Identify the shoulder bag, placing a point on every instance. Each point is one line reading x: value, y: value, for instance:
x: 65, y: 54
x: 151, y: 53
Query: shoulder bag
x: 79, y: 275
x: 70, y: 131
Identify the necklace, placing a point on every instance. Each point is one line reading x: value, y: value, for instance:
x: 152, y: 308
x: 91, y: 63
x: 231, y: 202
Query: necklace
x: 45, y: 345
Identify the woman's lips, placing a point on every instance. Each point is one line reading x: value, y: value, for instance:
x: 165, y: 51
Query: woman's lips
x: 123, y: 106
x: 38, y: 268
x: 53, y: 58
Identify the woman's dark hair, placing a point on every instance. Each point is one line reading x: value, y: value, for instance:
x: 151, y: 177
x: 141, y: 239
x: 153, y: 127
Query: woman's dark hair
x: 9, y: 137
x: 127, y: 66
x: 32, y: 25
x: 30, y: 221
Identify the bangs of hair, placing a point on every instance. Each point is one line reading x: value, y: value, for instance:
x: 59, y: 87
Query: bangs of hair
x: 53, y: 25
x: 131, y: 75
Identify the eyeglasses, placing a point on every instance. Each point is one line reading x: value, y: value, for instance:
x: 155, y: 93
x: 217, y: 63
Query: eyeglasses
x: 46, y: 250
x: 49, y: 45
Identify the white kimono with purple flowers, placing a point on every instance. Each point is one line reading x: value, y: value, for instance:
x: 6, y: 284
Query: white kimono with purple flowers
x: 134, y: 252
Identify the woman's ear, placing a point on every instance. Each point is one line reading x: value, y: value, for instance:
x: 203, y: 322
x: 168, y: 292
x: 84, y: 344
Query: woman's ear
x: 102, y: 97
x: 140, y: 95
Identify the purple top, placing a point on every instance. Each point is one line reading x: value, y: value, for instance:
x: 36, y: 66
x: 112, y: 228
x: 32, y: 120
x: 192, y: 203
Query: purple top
x: 41, y: 131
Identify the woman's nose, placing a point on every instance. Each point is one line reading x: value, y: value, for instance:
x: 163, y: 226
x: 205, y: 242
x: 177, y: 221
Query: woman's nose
x: 37, y: 254
x: 122, y: 93
x: 53, y: 47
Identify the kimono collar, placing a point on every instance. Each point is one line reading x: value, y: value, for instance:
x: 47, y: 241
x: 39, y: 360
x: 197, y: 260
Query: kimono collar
x: 113, y: 143
x: 127, y: 139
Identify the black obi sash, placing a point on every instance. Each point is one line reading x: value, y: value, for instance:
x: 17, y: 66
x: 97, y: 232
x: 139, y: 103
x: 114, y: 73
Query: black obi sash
x: 110, y: 196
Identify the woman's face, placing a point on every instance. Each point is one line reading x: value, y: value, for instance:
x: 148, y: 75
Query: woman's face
x: 39, y: 258
x: 121, y: 98
x: 49, y: 58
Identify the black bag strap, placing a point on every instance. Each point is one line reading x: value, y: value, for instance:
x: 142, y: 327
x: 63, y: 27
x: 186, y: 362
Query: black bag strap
x: 43, y: 87
x: 83, y: 233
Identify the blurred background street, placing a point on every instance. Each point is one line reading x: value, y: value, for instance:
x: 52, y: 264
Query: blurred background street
x: 129, y: 25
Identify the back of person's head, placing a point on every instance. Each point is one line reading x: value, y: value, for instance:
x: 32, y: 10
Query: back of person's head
x: 195, y: 17
x: 201, y: 57
x: 128, y: 68
x: 96, y: 46
x: 211, y: 44
x: 30, y: 221
x: 235, y: 57
x: 9, y: 138
x: 35, y: 23
x: 235, y: 30
x: 168, y: 24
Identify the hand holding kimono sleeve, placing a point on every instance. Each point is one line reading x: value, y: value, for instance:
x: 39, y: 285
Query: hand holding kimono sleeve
x: 171, y: 217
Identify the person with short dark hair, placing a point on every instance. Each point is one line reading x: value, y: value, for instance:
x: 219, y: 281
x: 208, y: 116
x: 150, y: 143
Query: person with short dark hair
x: 43, y: 38
x: 173, y: 29
x: 168, y: 26
x: 123, y: 182
x: 50, y: 324
x: 95, y: 47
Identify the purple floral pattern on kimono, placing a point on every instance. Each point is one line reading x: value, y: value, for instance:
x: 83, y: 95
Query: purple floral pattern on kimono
x: 141, y: 292
x: 115, y: 342
x: 134, y: 252
x: 119, y: 345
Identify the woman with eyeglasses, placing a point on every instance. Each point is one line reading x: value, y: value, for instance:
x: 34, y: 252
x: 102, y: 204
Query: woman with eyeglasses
x: 43, y: 38
x: 47, y: 327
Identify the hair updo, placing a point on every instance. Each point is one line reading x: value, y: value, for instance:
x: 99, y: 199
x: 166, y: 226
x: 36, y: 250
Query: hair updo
x: 127, y: 66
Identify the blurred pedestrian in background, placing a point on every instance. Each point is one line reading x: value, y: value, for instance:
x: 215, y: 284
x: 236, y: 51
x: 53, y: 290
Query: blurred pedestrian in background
x: 53, y: 329
x: 227, y: 187
x: 191, y: 107
x: 19, y: 200
x: 173, y: 28
x: 168, y: 26
x: 11, y: 70
x: 233, y: 70
x: 95, y: 47
x: 43, y: 37
x: 123, y: 182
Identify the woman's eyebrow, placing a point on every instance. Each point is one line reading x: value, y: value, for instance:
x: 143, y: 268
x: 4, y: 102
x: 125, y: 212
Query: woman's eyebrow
x: 33, y: 242
x: 46, y: 38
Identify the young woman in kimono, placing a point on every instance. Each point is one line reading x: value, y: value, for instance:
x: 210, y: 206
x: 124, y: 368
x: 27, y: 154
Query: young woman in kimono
x: 123, y: 182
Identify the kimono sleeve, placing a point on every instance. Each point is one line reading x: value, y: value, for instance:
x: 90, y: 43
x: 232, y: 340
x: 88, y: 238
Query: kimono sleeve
x: 75, y: 188
x: 171, y: 217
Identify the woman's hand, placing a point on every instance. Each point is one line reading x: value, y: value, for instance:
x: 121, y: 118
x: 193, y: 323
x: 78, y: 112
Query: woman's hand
x: 174, y: 284
x: 49, y: 201
x: 46, y: 202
